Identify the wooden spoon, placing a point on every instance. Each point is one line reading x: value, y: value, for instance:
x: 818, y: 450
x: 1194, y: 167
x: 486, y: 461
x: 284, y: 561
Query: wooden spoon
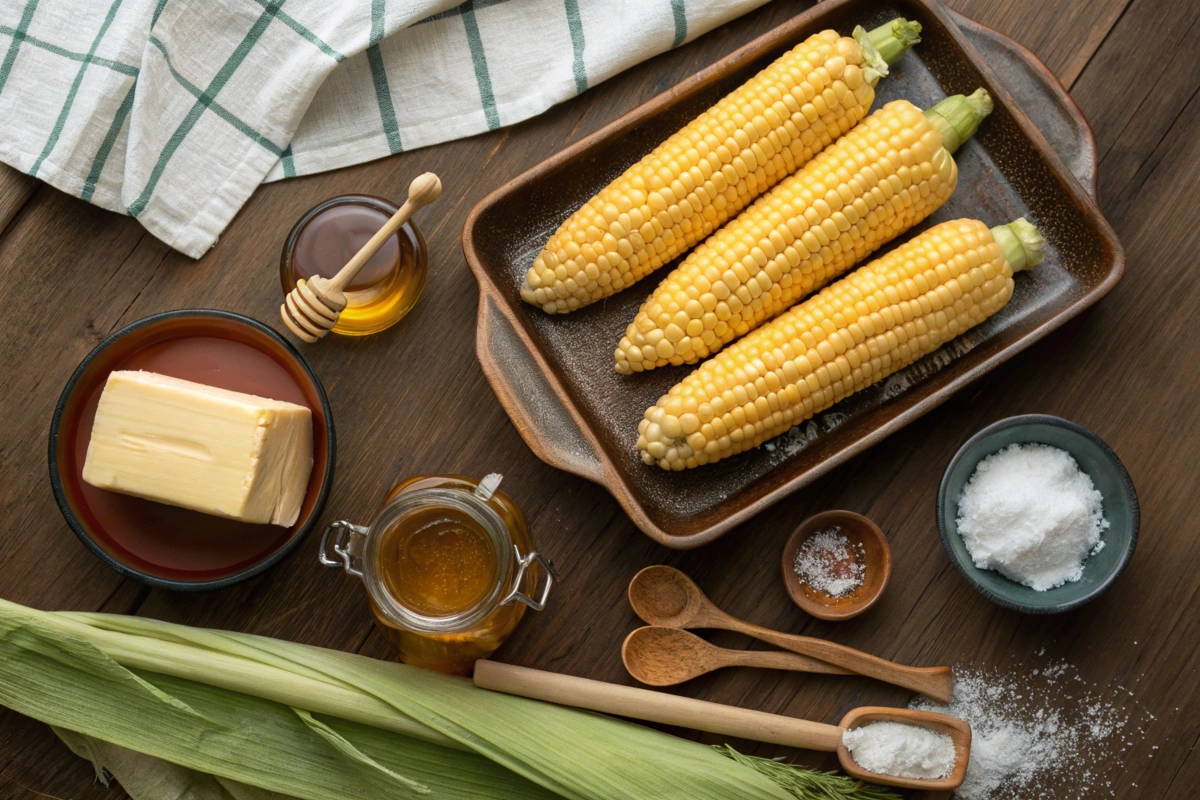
x: 313, y: 307
x: 668, y: 709
x: 667, y: 656
x: 664, y: 596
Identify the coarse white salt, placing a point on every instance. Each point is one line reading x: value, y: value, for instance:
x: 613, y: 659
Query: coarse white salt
x: 900, y: 750
x: 830, y: 563
x: 1032, y: 737
x: 1032, y: 515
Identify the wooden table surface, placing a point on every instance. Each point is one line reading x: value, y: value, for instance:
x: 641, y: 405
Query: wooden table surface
x: 414, y: 400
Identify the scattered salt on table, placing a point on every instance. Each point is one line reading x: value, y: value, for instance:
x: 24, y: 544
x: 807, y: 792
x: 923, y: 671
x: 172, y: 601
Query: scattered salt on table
x: 900, y: 750
x: 1040, y: 733
x: 830, y: 563
x: 1032, y: 515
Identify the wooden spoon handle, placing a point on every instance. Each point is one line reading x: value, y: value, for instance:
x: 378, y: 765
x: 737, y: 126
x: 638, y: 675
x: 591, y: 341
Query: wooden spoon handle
x: 933, y: 682
x: 794, y: 662
x: 423, y: 191
x: 667, y: 709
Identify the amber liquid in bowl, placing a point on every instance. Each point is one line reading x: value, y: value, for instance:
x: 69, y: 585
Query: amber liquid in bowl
x: 328, y: 236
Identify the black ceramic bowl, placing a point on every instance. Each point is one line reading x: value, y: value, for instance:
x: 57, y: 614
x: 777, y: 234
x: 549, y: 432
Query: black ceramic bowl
x: 162, y: 545
x: 1096, y: 459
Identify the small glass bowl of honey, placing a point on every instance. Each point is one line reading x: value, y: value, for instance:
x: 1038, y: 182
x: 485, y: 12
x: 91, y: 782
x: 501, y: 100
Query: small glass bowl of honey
x: 449, y: 568
x: 330, y: 234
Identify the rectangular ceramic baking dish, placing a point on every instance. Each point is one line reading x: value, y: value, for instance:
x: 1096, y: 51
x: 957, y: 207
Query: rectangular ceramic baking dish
x: 554, y: 374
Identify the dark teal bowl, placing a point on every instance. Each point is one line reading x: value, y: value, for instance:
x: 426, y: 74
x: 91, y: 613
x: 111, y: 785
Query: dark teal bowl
x: 1096, y: 459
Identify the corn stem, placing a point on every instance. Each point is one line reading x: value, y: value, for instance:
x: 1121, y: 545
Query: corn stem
x: 957, y: 117
x: 884, y: 45
x: 1023, y: 244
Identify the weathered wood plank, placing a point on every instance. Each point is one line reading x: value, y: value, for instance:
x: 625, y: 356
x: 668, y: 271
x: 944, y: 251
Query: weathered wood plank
x: 15, y: 190
x: 1155, y: 84
x: 43, y: 767
x: 1125, y: 369
x: 1063, y: 35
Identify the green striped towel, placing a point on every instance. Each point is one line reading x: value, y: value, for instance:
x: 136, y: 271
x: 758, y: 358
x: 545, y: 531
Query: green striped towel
x: 174, y: 111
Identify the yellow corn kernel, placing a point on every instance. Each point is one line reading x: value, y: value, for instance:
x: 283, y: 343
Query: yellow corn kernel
x: 710, y: 170
x: 848, y: 336
x: 886, y: 175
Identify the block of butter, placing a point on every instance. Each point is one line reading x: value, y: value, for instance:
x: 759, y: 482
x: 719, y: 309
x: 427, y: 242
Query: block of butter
x: 199, y: 447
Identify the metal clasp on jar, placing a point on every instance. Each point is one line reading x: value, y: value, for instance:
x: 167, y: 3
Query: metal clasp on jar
x: 523, y: 563
x: 345, y: 540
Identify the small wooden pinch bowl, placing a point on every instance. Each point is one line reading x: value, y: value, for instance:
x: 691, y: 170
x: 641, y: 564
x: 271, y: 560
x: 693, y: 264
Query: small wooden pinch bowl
x: 958, y: 730
x: 859, y: 531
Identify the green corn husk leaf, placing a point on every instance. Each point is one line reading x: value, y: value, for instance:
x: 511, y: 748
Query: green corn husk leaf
x: 51, y: 674
x: 223, y: 704
x: 144, y: 777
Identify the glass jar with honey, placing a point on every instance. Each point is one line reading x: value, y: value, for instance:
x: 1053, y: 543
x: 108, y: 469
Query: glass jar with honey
x: 330, y: 234
x: 449, y: 568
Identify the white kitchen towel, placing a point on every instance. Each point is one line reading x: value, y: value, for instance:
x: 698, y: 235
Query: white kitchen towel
x: 175, y: 110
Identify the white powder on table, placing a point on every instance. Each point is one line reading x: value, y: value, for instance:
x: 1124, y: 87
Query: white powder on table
x: 1040, y: 733
x: 1032, y: 515
x: 901, y: 750
x: 830, y: 563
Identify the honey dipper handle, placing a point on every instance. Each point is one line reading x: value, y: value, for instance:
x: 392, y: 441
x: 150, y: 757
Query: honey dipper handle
x: 667, y: 709
x: 423, y: 191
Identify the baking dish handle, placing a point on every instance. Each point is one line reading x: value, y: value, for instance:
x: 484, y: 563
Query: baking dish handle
x: 531, y: 402
x: 1041, y: 96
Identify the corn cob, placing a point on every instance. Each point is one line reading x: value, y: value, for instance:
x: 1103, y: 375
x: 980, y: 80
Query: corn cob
x: 875, y: 321
x: 886, y: 175
x: 710, y: 170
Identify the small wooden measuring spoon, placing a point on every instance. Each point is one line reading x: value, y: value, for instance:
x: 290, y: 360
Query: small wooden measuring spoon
x: 759, y: 726
x: 313, y: 307
x: 667, y: 656
x: 664, y: 596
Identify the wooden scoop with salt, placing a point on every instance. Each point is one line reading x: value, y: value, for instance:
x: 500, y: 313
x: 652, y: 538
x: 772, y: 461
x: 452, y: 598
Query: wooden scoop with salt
x: 667, y: 709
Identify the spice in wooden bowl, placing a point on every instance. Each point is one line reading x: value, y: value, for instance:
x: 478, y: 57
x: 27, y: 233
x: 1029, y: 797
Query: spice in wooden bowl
x: 830, y: 563
x: 836, y: 564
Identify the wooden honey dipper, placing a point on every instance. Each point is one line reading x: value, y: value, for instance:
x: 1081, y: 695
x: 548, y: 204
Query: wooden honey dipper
x: 312, y: 309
